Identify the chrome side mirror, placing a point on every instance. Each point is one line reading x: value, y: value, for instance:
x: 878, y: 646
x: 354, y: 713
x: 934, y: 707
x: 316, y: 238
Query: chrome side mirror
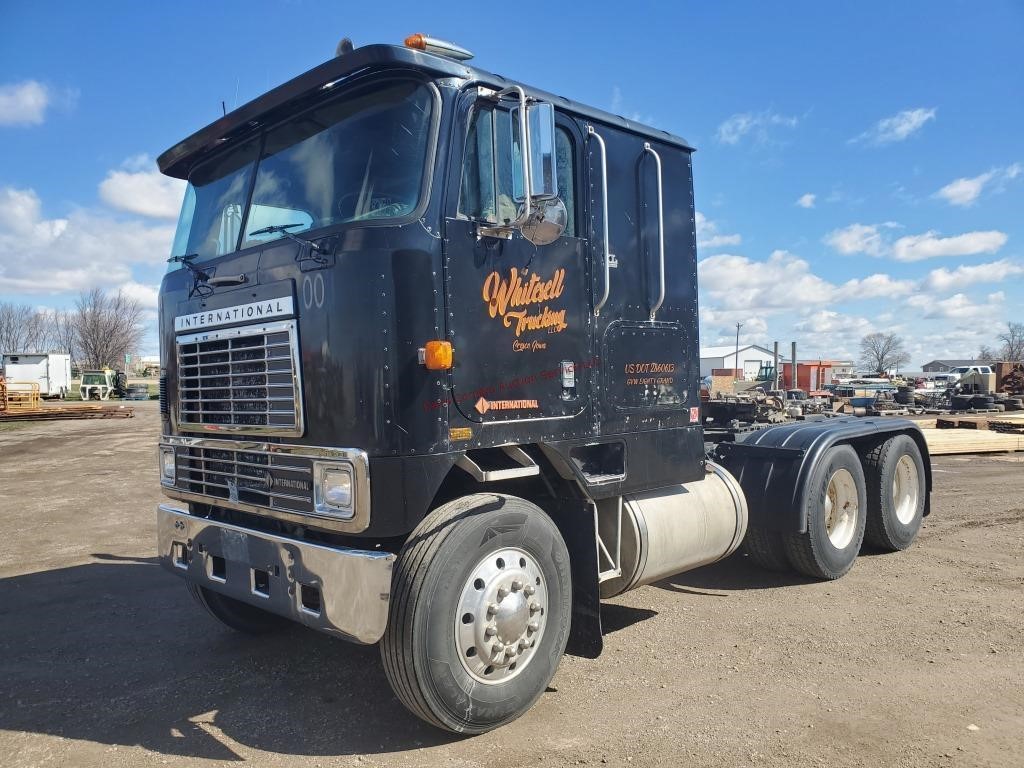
x: 540, y: 127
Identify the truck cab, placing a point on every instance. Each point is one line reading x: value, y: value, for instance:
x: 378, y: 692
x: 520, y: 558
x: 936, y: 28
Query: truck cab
x: 431, y: 378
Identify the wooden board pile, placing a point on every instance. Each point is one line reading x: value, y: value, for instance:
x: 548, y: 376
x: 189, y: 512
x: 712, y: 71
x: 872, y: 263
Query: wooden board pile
x: 53, y: 413
x: 976, y: 434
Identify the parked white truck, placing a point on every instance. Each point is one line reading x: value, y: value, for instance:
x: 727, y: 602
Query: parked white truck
x: 52, y: 372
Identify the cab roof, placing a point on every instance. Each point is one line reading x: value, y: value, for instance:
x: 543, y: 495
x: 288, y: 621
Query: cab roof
x: 179, y: 159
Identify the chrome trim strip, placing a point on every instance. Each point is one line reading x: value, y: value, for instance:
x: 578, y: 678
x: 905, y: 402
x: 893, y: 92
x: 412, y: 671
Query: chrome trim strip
x: 281, y: 326
x: 358, y: 459
x: 354, y: 585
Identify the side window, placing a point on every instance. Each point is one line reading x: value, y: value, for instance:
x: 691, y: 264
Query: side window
x: 491, y: 163
x: 565, y: 170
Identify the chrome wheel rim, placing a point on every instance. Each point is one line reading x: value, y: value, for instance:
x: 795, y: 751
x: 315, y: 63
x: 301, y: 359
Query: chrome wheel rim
x: 905, y: 489
x: 842, y: 508
x: 501, y: 616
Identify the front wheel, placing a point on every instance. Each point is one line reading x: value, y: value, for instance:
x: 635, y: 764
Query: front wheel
x: 235, y: 614
x: 480, y: 608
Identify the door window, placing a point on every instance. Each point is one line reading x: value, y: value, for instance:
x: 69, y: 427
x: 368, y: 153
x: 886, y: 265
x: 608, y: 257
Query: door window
x: 492, y: 164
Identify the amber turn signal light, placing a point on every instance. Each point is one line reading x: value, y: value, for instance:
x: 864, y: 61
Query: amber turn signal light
x: 438, y: 355
x: 417, y: 41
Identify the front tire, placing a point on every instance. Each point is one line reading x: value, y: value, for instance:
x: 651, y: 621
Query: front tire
x: 895, y: 477
x: 235, y: 614
x: 480, y: 608
x: 835, y: 506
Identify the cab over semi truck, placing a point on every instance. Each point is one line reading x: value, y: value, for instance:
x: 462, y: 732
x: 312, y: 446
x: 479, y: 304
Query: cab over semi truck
x: 432, y: 378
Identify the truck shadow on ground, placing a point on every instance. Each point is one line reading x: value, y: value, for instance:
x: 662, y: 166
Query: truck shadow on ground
x: 116, y: 652
x: 736, y: 572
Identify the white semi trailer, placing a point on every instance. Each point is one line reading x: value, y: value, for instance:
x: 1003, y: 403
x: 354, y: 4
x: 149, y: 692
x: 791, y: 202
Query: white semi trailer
x: 52, y: 372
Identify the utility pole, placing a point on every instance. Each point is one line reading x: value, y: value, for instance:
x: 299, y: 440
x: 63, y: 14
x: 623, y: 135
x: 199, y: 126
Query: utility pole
x: 736, y: 360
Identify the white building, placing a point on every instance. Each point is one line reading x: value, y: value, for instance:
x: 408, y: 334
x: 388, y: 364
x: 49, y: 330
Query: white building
x: 751, y: 358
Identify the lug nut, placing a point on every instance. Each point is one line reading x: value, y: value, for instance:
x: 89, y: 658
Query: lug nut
x: 517, y: 585
x: 490, y: 632
x: 510, y: 651
x: 534, y: 607
x: 502, y: 593
x: 492, y: 608
x: 530, y: 589
x: 498, y: 648
x: 533, y: 626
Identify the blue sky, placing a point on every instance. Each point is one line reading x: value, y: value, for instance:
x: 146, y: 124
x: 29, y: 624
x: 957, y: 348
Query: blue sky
x: 860, y: 166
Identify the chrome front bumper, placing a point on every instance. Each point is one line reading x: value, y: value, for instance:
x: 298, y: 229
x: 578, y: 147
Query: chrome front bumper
x: 343, y: 592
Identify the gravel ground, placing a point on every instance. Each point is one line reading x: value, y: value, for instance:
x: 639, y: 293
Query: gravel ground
x: 914, y: 659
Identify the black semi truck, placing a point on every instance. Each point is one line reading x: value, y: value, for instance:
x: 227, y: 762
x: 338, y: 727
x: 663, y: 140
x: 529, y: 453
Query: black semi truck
x: 431, y: 380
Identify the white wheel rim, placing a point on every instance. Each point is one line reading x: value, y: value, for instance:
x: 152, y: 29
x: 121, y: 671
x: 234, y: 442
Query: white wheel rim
x: 842, y: 508
x: 501, y: 616
x: 905, y: 489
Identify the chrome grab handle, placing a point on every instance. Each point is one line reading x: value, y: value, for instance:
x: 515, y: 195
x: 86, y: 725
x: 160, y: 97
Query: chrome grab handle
x: 661, y: 234
x: 609, y: 258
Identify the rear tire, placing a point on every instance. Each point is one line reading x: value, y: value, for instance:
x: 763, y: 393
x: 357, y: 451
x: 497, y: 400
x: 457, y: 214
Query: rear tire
x: 479, y: 617
x: 235, y: 614
x: 767, y: 549
x: 835, y: 510
x: 894, y: 472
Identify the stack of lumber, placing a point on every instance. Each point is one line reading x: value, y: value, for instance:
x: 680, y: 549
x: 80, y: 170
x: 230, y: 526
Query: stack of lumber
x: 51, y: 413
x: 976, y: 434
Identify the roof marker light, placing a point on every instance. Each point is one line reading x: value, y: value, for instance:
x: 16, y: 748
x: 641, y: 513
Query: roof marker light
x: 437, y: 46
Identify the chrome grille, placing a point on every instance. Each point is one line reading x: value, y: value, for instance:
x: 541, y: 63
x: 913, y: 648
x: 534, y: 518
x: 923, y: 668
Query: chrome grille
x: 244, y: 380
x: 275, y: 481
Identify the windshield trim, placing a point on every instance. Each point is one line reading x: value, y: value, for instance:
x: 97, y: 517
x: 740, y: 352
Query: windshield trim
x: 426, y: 185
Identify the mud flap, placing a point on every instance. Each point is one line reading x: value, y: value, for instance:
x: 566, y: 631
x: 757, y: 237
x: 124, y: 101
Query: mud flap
x: 575, y: 521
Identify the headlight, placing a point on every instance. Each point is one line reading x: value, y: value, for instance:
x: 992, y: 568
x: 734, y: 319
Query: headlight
x: 333, y: 489
x: 167, y: 466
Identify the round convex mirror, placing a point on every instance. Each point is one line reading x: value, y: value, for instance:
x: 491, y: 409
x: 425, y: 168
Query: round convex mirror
x: 545, y: 222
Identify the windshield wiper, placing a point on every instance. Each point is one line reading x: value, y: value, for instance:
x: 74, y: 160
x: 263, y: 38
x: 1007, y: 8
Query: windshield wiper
x: 199, y: 277
x: 282, y: 229
x: 186, y: 261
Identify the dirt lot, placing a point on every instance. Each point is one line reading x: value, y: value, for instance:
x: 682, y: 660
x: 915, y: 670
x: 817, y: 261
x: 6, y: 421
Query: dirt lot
x: 911, y: 660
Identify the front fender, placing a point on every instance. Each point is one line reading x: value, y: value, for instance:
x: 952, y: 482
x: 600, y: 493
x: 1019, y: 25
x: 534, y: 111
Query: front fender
x: 773, y: 465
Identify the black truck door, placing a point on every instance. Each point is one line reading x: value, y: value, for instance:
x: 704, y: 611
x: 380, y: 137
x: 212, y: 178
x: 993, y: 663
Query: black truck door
x: 518, y: 313
x: 647, y: 341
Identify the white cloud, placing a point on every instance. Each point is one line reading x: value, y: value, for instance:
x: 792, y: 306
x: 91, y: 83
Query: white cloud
x: 23, y: 103
x: 857, y: 238
x: 841, y: 328
x: 708, y: 236
x: 783, y: 281
x: 931, y: 245
x: 84, y: 250
x: 965, y: 191
x: 958, y: 307
x: 734, y: 128
x: 146, y: 295
x: 138, y: 187
x: 869, y: 239
x: 896, y: 127
x: 807, y: 200
x: 877, y: 286
x: 943, y: 279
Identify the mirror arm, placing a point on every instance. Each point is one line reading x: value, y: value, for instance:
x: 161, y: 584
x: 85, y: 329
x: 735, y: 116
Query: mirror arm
x: 524, y: 136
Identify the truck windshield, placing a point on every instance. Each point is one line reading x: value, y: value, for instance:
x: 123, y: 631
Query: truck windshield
x: 358, y: 158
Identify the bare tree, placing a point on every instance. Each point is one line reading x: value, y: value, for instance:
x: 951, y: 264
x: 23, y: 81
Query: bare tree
x: 1013, y: 342
x: 62, y: 332
x: 986, y: 354
x: 107, y: 327
x: 882, y: 351
x: 14, y: 319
